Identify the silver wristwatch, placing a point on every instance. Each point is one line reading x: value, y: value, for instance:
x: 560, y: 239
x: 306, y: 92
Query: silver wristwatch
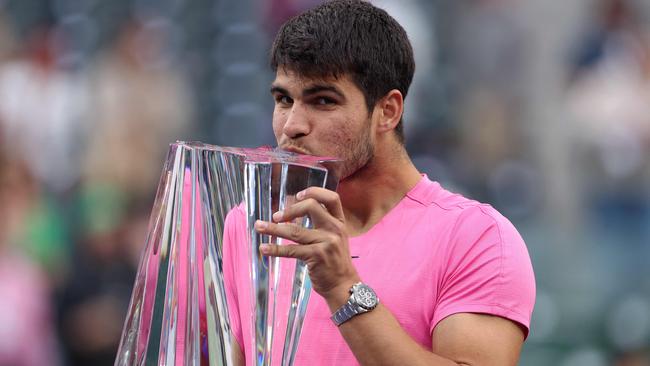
x: 362, y: 300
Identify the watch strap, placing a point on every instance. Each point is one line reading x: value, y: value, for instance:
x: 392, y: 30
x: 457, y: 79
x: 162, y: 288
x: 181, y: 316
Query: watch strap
x: 346, y: 312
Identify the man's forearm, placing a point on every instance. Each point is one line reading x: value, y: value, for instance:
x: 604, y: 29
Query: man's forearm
x: 376, y: 338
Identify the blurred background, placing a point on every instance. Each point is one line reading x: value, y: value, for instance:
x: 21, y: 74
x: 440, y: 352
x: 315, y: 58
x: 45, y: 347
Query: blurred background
x: 541, y: 108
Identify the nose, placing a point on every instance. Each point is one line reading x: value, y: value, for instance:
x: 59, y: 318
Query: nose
x: 297, y: 123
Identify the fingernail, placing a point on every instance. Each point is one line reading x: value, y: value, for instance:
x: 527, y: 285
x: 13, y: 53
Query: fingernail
x: 265, y: 249
x: 259, y: 224
x: 278, y: 215
x: 300, y: 195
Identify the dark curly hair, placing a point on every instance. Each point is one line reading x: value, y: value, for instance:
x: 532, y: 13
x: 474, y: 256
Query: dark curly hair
x: 348, y: 37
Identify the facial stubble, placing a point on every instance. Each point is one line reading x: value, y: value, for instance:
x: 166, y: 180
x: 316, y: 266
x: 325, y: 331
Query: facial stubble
x: 360, y: 154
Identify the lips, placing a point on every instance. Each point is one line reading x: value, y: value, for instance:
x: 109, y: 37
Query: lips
x: 294, y: 149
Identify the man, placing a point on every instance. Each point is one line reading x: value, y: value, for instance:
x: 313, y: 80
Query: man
x: 452, y: 276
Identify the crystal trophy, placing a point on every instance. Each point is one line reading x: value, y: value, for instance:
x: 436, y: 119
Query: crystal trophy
x: 179, y: 312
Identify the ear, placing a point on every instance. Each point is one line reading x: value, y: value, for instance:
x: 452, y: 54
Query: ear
x: 390, y: 108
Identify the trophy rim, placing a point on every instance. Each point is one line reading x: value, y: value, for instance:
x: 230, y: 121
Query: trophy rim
x: 261, y: 154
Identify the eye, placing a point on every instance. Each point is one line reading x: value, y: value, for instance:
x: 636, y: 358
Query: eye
x: 325, y: 101
x: 283, y: 99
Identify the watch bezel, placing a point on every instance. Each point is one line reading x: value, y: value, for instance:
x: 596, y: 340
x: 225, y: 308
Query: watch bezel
x: 356, y: 289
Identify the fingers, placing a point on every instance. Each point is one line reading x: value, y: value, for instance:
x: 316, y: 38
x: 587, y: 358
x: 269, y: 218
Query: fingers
x: 286, y: 251
x: 324, y: 208
x: 308, y: 207
x: 329, y: 199
x: 321, y: 205
x: 289, y: 231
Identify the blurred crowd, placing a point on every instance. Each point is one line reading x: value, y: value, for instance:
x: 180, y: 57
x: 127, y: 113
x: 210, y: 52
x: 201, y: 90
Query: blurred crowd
x: 540, y: 108
x: 82, y: 144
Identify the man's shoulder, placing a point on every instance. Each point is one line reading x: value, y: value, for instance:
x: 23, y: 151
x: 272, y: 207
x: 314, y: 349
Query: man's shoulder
x: 447, y: 205
x: 432, y: 194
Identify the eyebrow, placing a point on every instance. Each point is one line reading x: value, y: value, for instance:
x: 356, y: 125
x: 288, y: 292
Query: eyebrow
x: 309, y: 91
x: 278, y: 89
x: 321, y: 88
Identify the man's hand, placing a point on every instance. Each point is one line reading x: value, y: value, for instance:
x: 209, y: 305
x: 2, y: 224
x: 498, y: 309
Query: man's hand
x: 324, y: 248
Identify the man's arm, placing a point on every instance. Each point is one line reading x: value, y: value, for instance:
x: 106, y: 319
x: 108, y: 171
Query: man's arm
x: 478, y: 339
x: 460, y: 339
x: 376, y: 338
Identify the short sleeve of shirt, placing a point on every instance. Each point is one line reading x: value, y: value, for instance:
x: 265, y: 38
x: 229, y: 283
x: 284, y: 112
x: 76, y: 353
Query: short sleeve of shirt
x: 488, y: 270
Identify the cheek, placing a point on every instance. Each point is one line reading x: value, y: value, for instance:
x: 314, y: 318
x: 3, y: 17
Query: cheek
x: 350, y: 132
x: 342, y: 139
x: 345, y: 139
x: 279, y: 120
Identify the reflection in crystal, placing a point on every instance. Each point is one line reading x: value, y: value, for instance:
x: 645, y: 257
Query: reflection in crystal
x: 179, y: 313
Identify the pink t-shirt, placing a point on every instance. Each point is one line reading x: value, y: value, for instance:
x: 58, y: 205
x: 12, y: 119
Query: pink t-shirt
x: 433, y: 255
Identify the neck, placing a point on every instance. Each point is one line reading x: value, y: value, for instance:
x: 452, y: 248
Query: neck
x: 372, y: 191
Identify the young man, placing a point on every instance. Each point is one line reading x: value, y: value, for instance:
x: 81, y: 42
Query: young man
x: 452, y: 279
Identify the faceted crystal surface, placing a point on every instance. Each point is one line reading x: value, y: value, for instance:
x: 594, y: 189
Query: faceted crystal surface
x: 178, y: 313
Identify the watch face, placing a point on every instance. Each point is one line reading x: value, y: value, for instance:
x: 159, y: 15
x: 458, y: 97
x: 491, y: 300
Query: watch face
x: 365, y: 296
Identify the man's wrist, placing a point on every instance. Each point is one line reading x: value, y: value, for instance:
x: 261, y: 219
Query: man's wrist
x: 339, y: 295
x: 362, y: 300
